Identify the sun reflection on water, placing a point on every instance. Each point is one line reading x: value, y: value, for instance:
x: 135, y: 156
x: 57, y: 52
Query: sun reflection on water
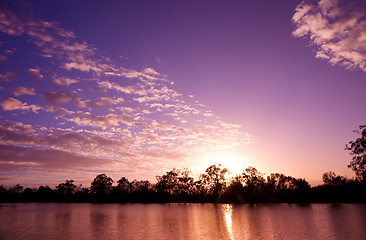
x: 227, y: 210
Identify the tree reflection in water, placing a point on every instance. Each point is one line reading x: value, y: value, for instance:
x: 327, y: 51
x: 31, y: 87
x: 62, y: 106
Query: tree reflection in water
x: 227, y: 210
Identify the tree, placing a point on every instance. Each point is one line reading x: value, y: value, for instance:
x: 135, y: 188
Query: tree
x: 253, y: 179
x: 124, y: 185
x: 168, y: 182
x: 357, y: 149
x: 185, y: 182
x: 45, y: 194
x: 214, y: 179
x: 67, y: 188
x: 2, y: 189
x: 101, y: 184
x: 28, y: 195
x: 278, y: 182
x: 234, y: 192
x: 330, y: 178
x: 140, y: 187
x: 300, y: 184
x: 17, y: 189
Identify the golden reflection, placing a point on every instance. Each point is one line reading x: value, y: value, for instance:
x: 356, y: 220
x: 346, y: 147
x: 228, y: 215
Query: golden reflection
x: 227, y: 209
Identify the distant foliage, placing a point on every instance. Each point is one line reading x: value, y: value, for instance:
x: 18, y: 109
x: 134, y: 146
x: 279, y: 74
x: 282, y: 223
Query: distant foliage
x: 330, y: 178
x: 213, y: 186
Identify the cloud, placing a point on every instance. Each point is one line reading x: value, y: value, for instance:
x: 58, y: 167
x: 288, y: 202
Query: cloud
x: 35, y: 74
x: 3, y: 58
x: 63, y: 81
x: 9, y: 23
x: 124, y: 89
x: 337, y: 28
x: 54, y: 42
x: 106, y: 121
x: 56, y: 98
x: 17, y: 127
x: 23, y: 91
x: 9, y: 104
x: 103, y: 101
x: 30, y: 159
x: 17, y: 133
x: 113, y: 117
x: 59, y: 110
x: 62, y: 97
x: 8, y: 76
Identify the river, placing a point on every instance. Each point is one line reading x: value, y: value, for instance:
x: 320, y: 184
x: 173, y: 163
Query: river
x: 46, y: 221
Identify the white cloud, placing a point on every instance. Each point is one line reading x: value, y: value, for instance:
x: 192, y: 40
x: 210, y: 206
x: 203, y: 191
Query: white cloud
x: 337, y: 28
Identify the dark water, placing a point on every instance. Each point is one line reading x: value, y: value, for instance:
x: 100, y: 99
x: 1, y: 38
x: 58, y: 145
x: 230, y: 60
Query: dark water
x: 181, y: 221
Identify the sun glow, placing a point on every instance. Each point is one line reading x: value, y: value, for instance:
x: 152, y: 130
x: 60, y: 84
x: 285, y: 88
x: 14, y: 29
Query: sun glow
x: 234, y: 162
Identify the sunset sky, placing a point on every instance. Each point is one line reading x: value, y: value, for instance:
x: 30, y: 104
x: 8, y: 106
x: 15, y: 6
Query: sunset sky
x: 135, y: 88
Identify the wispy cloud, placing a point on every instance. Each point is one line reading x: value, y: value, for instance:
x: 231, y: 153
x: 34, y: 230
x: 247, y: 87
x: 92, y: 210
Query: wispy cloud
x: 34, y: 159
x: 337, y: 28
x: 96, y: 113
x: 3, y: 58
x: 63, y: 97
x: 8, y: 76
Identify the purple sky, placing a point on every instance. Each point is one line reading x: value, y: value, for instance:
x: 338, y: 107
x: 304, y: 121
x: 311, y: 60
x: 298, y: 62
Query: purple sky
x: 135, y: 88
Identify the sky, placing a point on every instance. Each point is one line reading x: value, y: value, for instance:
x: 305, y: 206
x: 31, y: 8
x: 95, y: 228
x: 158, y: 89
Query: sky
x: 136, y: 88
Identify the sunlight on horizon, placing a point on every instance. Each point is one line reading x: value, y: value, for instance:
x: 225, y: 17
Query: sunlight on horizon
x: 234, y: 161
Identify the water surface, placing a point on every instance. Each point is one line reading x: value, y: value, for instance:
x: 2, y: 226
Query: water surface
x: 46, y: 221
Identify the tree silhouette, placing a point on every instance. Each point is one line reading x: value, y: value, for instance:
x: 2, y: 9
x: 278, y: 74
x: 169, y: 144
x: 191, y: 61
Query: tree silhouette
x: 168, y: 182
x: 253, y: 179
x: 185, y: 183
x: 17, y: 189
x: 66, y: 188
x: 101, y: 184
x: 357, y: 149
x: 45, y: 194
x: 330, y: 178
x: 215, y: 181
x: 123, y: 185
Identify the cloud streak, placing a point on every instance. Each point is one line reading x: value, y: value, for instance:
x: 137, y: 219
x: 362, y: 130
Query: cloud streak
x: 337, y: 28
x: 96, y: 114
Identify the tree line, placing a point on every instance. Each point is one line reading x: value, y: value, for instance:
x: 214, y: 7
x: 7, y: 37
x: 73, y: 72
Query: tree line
x: 212, y: 186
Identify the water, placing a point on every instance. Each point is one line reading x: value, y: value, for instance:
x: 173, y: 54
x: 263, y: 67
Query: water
x: 44, y: 221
